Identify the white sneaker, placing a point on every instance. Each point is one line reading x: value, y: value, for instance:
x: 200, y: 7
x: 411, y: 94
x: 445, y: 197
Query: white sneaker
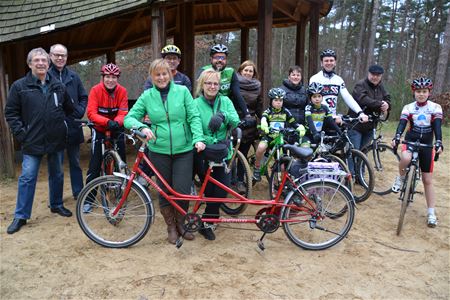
x: 432, y: 220
x: 398, y: 184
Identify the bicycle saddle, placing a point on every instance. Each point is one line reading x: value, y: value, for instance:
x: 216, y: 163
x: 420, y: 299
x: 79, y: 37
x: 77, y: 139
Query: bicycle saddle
x: 298, y: 152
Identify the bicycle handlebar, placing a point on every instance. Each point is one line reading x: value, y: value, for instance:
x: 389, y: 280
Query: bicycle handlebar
x: 417, y: 145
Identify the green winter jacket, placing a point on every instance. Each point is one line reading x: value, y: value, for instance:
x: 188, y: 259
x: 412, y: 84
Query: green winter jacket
x: 223, y: 104
x: 175, y: 123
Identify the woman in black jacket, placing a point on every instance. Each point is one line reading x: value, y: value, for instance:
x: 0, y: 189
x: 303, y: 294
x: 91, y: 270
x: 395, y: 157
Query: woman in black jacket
x: 296, y: 98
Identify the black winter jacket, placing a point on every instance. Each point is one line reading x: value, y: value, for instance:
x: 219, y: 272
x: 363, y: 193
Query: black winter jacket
x: 79, y: 98
x: 296, y: 100
x: 370, y: 98
x: 37, y: 119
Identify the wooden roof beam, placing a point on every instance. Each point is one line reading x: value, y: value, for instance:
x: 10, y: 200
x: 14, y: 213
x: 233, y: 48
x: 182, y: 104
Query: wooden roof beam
x: 285, y: 9
x: 234, y: 13
x: 126, y: 31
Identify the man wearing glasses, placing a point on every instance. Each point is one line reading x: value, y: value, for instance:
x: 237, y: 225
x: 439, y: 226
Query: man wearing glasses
x: 229, y: 83
x: 74, y: 87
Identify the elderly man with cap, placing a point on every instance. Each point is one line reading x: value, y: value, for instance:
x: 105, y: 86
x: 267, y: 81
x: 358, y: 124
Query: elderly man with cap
x: 374, y: 100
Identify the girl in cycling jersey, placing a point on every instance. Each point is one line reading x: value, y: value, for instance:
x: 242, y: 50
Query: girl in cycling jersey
x: 424, y: 118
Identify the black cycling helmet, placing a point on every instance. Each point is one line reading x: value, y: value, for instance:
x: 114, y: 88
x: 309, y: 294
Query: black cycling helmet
x: 170, y: 49
x: 218, y: 48
x: 422, y: 83
x: 315, y: 88
x: 327, y: 52
x: 276, y: 93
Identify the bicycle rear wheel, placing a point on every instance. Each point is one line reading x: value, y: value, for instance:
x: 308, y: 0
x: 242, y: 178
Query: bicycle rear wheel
x: 364, y: 176
x: 385, y: 164
x: 242, y: 186
x: 312, y: 224
x: 128, y: 226
x: 406, y: 196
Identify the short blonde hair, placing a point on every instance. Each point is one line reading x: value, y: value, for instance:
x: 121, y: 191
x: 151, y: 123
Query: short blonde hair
x: 204, y: 76
x: 246, y: 64
x: 159, y: 64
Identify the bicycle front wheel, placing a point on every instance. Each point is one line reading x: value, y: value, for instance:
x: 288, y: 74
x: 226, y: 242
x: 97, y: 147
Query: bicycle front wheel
x: 385, y: 165
x: 95, y: 206
x: 406, y: 196
x: 313, y: 224
x: 364, y: 176
x: 241, y: 182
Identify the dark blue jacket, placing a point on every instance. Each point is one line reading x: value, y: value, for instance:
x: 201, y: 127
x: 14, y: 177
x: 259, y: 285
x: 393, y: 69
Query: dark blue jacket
x: 79, y: 98
x: 36, y: 118
x: 295, y: 100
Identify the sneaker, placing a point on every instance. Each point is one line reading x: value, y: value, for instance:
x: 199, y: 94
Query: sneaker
x: 398, y: 184
x: 257, y: 175
x: 87, y: 208
x: 142, y: 181
x: 207, y: 232
x: 432, y: 220
x: 241, y: 188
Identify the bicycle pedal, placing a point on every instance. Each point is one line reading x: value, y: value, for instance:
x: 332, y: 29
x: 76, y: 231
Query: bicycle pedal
x: 179, y: 242
x: 261, y: 245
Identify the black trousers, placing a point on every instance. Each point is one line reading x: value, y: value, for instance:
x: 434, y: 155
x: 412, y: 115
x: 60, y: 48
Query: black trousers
x: 176, y: 170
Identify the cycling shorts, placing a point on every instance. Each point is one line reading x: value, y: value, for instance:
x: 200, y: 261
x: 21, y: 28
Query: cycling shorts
x: 426, y: 157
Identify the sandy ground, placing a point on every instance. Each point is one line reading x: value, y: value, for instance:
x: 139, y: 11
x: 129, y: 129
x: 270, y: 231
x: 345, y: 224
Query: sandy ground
x: 51, y: 258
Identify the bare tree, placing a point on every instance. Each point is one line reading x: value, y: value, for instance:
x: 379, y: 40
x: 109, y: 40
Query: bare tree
x: 373, y: 31
x: 442, y: 62
x: 360, y: 48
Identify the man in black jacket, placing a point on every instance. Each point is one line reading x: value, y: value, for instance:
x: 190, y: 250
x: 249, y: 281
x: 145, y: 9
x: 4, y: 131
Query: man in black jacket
x: 76, y: 91
x: 374, y: 100
x: 35, y: 110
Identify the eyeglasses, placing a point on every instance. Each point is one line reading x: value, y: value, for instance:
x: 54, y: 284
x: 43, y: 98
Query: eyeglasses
x: 220, y: 57
x: 59, y: 55
x: 210, y: 83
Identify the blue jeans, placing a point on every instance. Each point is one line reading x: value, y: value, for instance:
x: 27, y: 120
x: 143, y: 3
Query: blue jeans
x: 76, y: 174
x: 28, y: 178
x: 359, y: 140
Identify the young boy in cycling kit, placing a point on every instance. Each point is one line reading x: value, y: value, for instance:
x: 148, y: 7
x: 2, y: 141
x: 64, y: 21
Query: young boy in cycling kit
x: 107, y: 107
x: 333, y: 85
x: 425, y: 119
x: 274, y: 117
x: 317, y: 115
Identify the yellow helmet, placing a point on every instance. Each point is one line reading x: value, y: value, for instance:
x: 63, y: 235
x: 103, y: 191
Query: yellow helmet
x: 170, y: 49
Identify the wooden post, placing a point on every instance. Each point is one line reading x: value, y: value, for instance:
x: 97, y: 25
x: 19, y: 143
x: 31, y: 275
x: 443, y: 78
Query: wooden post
x: 111, y: 57
x: 185, y: 40
x: 7, y: 166
x: 313, y: 40
x: 265, y: 20
x: 157, y: 32
x: 300, y: 45
x: 244, y: 43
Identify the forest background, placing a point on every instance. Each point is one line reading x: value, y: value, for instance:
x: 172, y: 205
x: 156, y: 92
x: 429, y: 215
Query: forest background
x: 409, y: 38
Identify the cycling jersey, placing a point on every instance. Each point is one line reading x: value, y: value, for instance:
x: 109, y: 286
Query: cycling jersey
x: 316, y: 117
x: 424, y: 119
x: 277, y: 119
x: 333, y: 85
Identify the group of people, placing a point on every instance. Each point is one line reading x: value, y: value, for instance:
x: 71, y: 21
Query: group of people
x: 42, y: 107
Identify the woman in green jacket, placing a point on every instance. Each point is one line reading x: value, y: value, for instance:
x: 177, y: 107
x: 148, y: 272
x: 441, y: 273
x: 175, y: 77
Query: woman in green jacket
x: 175, y: 129
x: 217, y: 114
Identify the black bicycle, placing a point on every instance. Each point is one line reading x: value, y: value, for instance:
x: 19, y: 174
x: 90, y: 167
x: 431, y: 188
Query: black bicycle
x: 412, y: 177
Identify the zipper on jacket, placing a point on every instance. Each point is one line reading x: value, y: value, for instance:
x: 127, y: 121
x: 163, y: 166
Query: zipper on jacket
x: 168, y: 123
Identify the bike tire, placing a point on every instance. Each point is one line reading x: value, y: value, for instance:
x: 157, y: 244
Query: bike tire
x: 406, y: 196
x: 364, y: 176
x: 238, y: 208
x: 110, y: 163
x: 307, y: 223
x: 385, y: 163
x: 133, y: 220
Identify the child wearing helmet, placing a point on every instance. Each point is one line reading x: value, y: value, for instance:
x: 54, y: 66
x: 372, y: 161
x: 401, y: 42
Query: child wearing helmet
x: 318, y: 116
x: 425, y: 119
x: 275, y: 117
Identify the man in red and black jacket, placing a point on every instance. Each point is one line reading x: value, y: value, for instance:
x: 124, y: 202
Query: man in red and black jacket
x: 107, y: 107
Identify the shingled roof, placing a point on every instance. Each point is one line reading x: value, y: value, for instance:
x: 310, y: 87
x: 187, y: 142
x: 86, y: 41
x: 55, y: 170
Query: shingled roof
x: 23, y: 18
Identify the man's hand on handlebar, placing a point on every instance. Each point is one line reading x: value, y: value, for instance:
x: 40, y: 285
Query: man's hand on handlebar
x: 363, y: 118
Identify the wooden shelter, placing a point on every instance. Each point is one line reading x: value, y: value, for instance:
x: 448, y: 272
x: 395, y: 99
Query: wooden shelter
x: 90, y: 28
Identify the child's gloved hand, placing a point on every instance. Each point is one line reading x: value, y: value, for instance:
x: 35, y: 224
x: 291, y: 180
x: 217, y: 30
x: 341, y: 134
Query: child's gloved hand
x: 264, y: 126
x: 301, y: 130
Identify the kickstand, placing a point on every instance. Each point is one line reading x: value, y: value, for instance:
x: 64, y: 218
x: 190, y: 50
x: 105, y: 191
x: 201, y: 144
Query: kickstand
x: 179, y: 242
x: 261, y: 243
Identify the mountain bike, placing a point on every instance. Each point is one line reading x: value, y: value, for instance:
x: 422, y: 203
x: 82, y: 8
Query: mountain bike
x: 310, y: 214
x: 412, y: 177
x: 384, y: 161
